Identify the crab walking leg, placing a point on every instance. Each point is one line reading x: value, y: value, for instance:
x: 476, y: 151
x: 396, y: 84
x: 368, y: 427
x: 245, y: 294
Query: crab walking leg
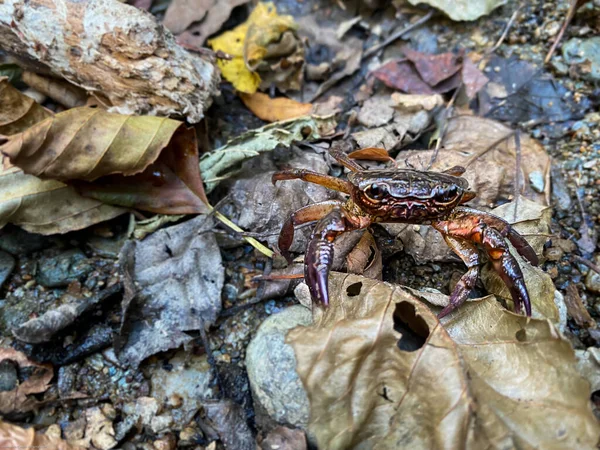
x: 505, y: 229
x: 319, y: 254
x: 473, y: 227
x: 309, y: 213
x: 470, y: 256
x: 313, y: 177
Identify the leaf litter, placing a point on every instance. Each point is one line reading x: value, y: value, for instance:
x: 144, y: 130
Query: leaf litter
x: 157, y: 319
x: 370, y: 359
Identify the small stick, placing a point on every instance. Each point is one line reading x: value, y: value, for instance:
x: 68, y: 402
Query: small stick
x: 397, y: 35
x: 508, y: 26
x: 575, y: 4
x: 517, y: 191
x: 587, y: 263
x: 491, y: 147
x: 447, y: 111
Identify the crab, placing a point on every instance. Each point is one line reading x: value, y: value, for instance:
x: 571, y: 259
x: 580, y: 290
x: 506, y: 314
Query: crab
x: 406, y: 196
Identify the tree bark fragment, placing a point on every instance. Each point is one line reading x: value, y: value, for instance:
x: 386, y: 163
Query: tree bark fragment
x: 110, y: 48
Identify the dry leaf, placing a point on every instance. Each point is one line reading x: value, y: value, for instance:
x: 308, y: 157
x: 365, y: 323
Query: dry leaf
x: 173, y: 282
x: 13, y: 436
x: 217, y: 15
x: 31, y: 378
x: 182, y: 13
x: 215, y: 165
x: 478, y: 145
x: 371, y: 154
x: 248, y: 45
x: 275, y: 109
x: 365, y: 259
x: 39, y: 206
x: 381, y: 372
x: 155, y: 158
x: 413, y: 102
x: 462, y: 9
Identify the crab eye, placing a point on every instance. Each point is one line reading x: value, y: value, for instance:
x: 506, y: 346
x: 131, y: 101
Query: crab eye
x: 377, y: 191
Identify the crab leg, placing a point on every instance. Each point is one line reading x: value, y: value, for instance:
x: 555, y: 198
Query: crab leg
x: 470, y: 256
x: 313, y: 177
x: 319, y: 254
x: 306, y: 214
x: 475, y: 227
x: 505, y: 229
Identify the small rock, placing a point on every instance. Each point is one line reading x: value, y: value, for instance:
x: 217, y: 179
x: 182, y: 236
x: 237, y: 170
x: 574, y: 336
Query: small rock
x: 188, y: 379
x: 19, y: 242
x: 588, y: 365
x: 586, y: 54
x: 162, y: 423
x: 592, y: 282
x: 7, y: 264
x: 63, y: 268
x: 537, y: 181
x: 271, y: 366
x: 8, y: 375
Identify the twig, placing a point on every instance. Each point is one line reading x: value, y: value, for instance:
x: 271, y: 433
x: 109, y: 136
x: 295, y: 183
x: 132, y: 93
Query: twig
x: 444, y: 128
x: 253, y: 242
x: 397, y: 35
x: 508, y: 26
x: 517, y: 191
x: 575, y: 4
x: 491, y: 147
x: 586, y: 262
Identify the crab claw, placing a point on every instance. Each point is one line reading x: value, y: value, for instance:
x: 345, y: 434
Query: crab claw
x: 319, y: 255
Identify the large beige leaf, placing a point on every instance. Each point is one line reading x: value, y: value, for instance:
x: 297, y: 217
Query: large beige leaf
x: 382, y: 373
x: 143, y: 162
x: 39, y: 206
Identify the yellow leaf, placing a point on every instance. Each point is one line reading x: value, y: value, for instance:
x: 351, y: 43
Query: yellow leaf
x: 247, y: 45
x: 275, y: 109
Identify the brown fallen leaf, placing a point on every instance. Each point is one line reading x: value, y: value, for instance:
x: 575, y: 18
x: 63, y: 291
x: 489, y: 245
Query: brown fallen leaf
x: 143, y: 162
x: 365, y: 259
x: 13, y: 436
x: 182, y: 13
x: 577, y: 309
x: 274, y: 109
x: 381, y: 372
x: 39, y: 206
x: 216, y: 15
x: 422, y: 73
x: 29, y: 377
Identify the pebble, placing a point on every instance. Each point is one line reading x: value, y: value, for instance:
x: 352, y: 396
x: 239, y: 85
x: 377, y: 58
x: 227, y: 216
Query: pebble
x: 62, y: 269
x: 271, y: 366
x: 19, y: 242
x: 7, y: 264
x: 579, y: 51
x: 537, y: 181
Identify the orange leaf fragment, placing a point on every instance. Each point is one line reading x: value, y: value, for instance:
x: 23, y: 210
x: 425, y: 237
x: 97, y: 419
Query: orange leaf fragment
x: 275, y: 109
x: 371, y: 154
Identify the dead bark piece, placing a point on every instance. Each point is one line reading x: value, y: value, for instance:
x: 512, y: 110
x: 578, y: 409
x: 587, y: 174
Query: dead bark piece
x: 112, y: 48
x: 60, y: 91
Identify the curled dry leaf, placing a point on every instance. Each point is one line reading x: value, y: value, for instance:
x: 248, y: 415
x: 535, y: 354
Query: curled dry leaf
x: 215, y: 165
x: 381, y: 372
x: 365, y: 259
x: 29, y: 378
x: 275, y: 109
x: 255, y: 41
x: 135, y: 62
x: 486, y: 148
x: 39, y: 206
x: 13, y: 436
x: 143, y: 162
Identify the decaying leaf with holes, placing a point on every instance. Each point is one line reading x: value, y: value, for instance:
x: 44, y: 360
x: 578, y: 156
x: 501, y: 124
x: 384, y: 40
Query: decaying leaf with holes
x: 381, y: 372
